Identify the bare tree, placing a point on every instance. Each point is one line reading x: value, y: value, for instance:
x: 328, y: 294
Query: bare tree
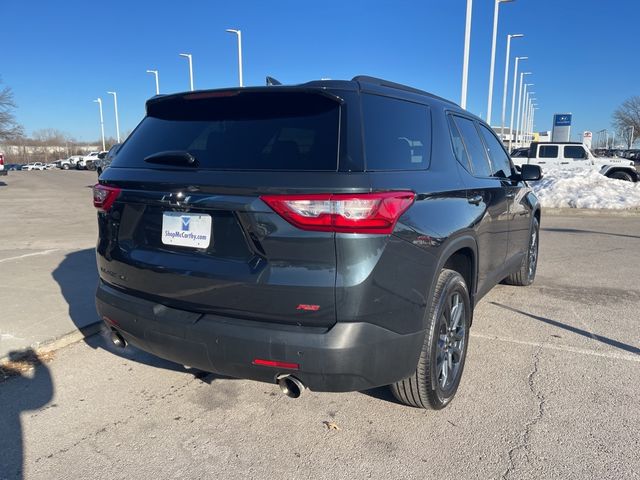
x: 626, y: 116
x: 9, y: 127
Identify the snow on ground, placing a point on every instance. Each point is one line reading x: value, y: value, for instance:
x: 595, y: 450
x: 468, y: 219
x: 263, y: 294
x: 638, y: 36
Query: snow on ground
x: 585, y: 189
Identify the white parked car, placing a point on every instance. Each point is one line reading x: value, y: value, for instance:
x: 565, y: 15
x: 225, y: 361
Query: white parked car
x: 50, y: 166
x: 573, y: 155
x: 3, y: 171
x: 33, y: 166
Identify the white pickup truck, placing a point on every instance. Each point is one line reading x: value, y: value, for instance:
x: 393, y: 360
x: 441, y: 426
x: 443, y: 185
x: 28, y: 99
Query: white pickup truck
x: 88, y: 161
x: 574, y: 155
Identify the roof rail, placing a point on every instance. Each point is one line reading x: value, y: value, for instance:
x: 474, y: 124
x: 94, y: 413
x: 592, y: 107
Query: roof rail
x: 386, y: 83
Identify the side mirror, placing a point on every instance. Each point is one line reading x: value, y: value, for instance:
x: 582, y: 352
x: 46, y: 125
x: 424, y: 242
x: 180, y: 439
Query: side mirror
x: 530, y: 173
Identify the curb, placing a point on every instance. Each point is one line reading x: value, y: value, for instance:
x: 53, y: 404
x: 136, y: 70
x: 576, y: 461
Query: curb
x: 58, y: 342
x: 591, y: 212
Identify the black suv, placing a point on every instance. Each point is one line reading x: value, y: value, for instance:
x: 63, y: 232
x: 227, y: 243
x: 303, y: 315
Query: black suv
x: 334, y: 235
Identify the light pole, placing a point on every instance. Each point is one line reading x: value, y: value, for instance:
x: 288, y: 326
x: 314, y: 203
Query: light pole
x: 496, y: 9
x: 530, y: 120
x: 155, y: 73
x: 99, y: 102
x: 506, y: 80
x: 525, y: 107
x: 631, y: 138
x: 520, y: 105
x: 513, y: 101
x: 465, y: 60
x: 189, y: 57
x: 239, y: 35
x: 115, y: 107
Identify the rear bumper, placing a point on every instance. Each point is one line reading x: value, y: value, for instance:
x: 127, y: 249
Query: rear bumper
x: 3, y: 172
x: 346, y: 357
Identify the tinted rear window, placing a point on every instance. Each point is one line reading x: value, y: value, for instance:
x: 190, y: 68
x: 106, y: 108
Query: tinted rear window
x: 397, y: 133
x: 247, y: 131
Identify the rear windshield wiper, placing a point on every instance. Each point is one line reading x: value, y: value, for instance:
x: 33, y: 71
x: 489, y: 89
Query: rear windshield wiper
x: 173, y: 157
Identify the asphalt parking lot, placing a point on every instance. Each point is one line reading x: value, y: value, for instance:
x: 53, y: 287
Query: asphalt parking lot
x: 550, y: 388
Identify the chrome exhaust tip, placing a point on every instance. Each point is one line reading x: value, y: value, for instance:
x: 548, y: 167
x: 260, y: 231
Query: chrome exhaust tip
x: 290, y: 385
x: 117, y: 339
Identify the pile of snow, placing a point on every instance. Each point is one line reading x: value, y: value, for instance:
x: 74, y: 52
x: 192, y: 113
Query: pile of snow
x: 585, y: 189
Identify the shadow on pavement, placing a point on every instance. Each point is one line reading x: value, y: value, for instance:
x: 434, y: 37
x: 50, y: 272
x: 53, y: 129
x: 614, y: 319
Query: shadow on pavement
x: 576, y: 230
x: 579, y: 331
x: 20, y: 394
x: 77, y: 276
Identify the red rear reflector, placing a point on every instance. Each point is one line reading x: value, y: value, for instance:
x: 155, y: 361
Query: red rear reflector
x: 348, y: 213
x: 274, y: 363
x: 104, y: 196
x: 309, y: 308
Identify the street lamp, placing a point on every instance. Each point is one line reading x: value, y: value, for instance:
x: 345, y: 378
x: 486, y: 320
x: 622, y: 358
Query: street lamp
x: 631, y: 138
x: 520, y: 105
x: 493, y: 55
x: 188, y: 57
x: 465, y: 60
x: 99, y: 102
x: 239, y: 35
x: 513, y: 100
x: 155, y: 73
x: 525, y: 108
x: 506, y: 80
x: 115, y: 106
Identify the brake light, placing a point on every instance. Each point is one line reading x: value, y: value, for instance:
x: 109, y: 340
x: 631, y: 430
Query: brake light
x: 104, y: 196
x: 347, y: 213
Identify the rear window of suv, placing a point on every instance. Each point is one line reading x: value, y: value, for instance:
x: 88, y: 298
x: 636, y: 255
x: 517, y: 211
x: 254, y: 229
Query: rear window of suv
x: 240, y: 131
x: 397, y: 133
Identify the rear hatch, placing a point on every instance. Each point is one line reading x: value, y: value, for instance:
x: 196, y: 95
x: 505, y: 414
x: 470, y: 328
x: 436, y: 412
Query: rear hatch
x: 187, y: 227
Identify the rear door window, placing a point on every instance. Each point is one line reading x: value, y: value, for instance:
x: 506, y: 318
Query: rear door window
x: 397, y: 133
x: 548, y: 151
x: 500, y: 164
x: 240, y: 131
x: 475, y: 148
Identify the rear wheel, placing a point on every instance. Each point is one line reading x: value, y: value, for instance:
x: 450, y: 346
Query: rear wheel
x: 621, y: 176
x: 65, y: 166
x: 437, y: 376
x: 526, y: 274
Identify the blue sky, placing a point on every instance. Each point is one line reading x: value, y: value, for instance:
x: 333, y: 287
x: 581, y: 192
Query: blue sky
x: 59, y: 56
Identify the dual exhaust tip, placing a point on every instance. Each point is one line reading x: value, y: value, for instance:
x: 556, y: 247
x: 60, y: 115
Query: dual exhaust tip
x: 117, y: 339
x: 289, y: 385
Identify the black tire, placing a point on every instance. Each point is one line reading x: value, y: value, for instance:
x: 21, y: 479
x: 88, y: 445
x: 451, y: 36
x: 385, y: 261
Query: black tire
x: 91, y: 166
x: 443, y: 347
x: 526, y: 274
x: 621, y: 176
x: 99, y: 170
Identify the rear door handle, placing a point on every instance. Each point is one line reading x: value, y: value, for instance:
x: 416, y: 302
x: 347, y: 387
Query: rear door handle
x: 475, y: 200
x: 510, y: 195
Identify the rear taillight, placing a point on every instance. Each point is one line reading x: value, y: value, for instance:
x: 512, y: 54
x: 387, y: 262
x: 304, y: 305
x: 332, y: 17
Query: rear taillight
x: 347, y: 213
x: 1, y: 160
x: 104, y: 196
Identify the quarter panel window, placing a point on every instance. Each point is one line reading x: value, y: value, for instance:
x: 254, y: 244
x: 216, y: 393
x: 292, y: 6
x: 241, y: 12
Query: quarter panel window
x: 457, y: 144
x: 397, y: 133
x: 475, y: 148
